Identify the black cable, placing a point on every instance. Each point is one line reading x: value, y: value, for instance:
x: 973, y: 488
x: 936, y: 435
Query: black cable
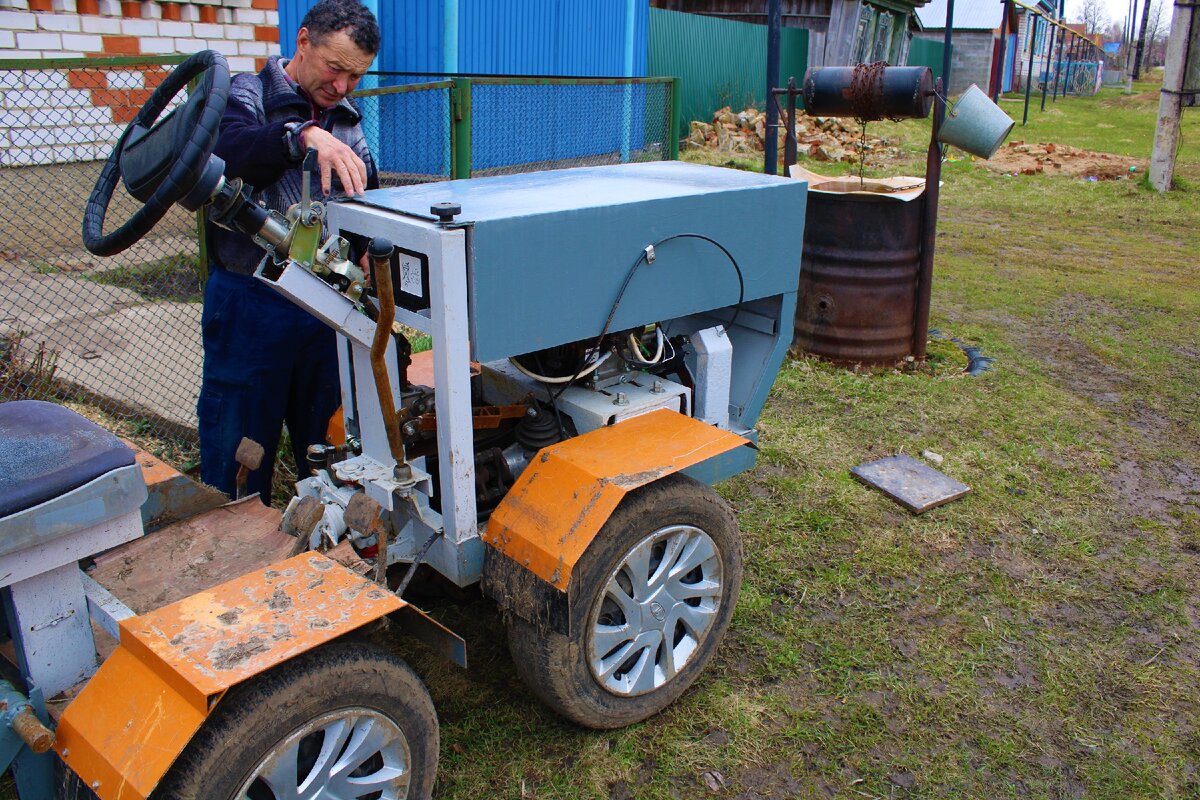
x: 629, y: 277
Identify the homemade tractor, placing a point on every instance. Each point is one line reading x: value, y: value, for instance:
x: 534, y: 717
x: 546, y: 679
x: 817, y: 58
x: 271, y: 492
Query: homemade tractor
x: 603, y: 340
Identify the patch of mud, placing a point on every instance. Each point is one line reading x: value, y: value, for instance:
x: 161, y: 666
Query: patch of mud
x: 1049, y: 158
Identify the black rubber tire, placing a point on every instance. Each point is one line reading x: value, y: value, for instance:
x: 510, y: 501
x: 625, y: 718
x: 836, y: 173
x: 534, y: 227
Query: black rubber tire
x: 254, y: 717
x: 555, y: 666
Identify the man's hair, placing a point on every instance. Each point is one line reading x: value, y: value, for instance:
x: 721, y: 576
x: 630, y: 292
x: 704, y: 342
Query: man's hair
x: 351, y: 16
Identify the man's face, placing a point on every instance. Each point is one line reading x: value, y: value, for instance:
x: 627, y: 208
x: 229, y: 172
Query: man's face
x: 329, y: 71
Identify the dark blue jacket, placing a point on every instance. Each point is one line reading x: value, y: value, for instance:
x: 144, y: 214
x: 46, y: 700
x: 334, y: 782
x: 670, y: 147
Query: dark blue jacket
x: 251, y: 142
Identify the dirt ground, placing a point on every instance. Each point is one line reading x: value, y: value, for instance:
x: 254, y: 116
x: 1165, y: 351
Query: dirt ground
x: 1029, y: 158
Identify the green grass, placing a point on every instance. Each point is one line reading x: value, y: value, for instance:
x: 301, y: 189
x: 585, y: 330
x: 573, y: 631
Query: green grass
x: 1037, y: 638
x: 175, y: 278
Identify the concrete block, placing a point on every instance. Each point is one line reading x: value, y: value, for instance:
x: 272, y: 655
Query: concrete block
x: 83, y: 42
x: 94, y: 115
x: 249, y: 16
x: 190, y: 45
x: 253, y: 48
x: 48, y: 79
x: 239, y: 32
x: 71, y: 97
x: 12, y: 79
x: 39, y: 41
x: 151, y: 10
x: 58, y: 22
x: 48, y: 118
x: 177, y: 29
x: 158, y: 44
x: 126, y: 79
x: 18, y: 21
x: 26, y: 98
x: 14, y: 119
x: 139, y: 27
x: 110, y: 8
x: 242, y: 64
x: 92, y: 24
x: 208, y: 30
x: 224, y: 46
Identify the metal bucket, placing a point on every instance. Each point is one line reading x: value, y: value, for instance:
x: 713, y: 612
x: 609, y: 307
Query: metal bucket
x: 975, y: 124
x: 858, y: 278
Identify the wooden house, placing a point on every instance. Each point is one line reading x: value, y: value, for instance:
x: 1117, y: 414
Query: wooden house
x: 841, y: 32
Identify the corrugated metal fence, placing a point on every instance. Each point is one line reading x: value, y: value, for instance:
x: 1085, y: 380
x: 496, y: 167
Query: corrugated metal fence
x: 513, y: 37
x: 721, y: 62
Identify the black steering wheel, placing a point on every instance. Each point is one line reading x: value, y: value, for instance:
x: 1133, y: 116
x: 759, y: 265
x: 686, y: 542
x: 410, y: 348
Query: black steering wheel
x: 163, y: 162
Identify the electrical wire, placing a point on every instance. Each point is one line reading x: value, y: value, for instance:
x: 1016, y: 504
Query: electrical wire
x: 565, y: 379
x: 643, y: 259
x: 635, y: 345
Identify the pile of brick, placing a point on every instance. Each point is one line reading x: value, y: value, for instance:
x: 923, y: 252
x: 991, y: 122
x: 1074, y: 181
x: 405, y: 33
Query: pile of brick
x: 819, y: 138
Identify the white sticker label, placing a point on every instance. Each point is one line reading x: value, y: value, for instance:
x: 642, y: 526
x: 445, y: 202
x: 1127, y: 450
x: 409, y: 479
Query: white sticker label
x: 410, y: 275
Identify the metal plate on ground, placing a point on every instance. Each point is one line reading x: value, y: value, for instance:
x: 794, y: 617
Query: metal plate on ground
x: 910, y: 483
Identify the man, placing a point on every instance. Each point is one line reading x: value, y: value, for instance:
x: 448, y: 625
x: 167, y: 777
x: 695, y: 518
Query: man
x: 266, y: 361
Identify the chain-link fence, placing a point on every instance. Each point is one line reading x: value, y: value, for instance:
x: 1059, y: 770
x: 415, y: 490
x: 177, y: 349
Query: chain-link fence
x: 122, y: 334
x: 520, y: 125
x: 120, y: 331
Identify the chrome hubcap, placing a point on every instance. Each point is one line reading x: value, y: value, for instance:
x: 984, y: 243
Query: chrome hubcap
x: 350, y: 754
x: 656, y: 609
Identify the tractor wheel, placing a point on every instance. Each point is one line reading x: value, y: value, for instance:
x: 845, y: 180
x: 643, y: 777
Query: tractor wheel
x: 346, y: 720
x: 651, y: 599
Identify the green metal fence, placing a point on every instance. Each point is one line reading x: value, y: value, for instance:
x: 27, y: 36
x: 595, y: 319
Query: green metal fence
x: 721, y: 62
x: 122, y: 334
x: 927, y: 53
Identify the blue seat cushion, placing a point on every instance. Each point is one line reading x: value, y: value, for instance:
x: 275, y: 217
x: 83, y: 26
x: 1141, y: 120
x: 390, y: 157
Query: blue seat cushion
x: 47, y: 450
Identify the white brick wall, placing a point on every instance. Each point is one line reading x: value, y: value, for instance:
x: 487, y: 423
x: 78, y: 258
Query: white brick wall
x: 84, y: 42
x: 39, y: 41
x: 92, y: 24
x: 17, y: 21
x: 44, y: 120
x: 58, y: 22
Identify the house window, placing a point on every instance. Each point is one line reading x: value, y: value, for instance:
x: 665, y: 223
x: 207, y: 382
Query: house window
x: 879, y: 35
x: 883, y: 38
x: 864, y: 35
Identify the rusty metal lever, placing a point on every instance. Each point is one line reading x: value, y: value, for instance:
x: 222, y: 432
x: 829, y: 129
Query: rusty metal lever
x: 381, y: 273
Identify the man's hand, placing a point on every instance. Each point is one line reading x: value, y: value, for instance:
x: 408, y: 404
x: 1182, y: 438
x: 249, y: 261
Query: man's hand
x: 335, y: 155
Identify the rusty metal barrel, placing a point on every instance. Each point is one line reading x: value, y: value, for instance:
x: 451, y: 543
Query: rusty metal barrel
x: 858, y: 278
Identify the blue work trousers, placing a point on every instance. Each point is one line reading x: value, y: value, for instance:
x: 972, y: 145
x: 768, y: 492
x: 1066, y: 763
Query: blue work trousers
x: 267, y: 362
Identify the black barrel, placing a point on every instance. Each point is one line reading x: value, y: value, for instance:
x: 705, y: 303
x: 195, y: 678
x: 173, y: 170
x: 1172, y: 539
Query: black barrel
x: 858, y: 278
x: 869, y: 92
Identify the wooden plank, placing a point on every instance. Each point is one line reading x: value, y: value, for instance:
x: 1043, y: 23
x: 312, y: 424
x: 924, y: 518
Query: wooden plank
x: 910, y: 483
x: 192, y: 555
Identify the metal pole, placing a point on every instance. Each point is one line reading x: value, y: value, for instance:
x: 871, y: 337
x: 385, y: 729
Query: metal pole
x: 1004, y: 32
x: 1049, y: 55
x: 1070, y: 60
x: 948, y: 42
x: 1033, y: 23
x: 933, y: 179
x: 789, y: 139
x: 1058, y: 65
x: 771, y: 145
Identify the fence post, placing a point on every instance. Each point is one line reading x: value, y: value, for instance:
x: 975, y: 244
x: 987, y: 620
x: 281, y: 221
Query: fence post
x: 673, y: 121
x: 460, y: 129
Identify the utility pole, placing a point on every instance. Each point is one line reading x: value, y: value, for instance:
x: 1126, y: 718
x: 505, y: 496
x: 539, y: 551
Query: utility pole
x: 1175, y: 91
x: 1141, y: 46
x: 771, y: 145
x: 1132, y: 25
